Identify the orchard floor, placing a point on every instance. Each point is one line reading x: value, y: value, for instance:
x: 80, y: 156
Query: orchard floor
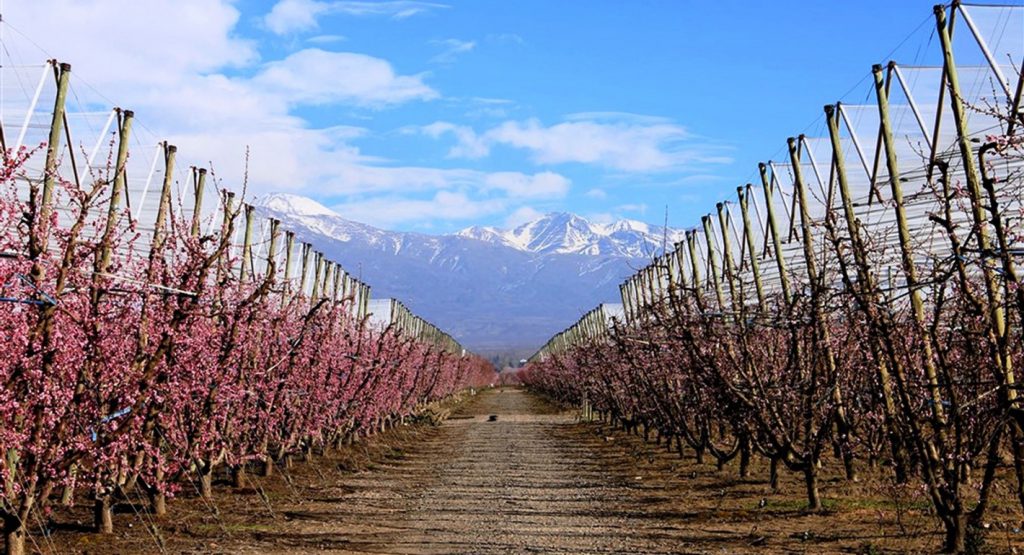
x: 535, y: 480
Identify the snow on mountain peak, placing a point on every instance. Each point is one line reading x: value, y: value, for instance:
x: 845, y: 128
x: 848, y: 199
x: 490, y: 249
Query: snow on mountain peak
x: 552, y: 233
x: 293, y: 205
x: 567, y: 233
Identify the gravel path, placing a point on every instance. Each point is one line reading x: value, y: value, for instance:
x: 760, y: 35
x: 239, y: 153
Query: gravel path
x: 529, y: 481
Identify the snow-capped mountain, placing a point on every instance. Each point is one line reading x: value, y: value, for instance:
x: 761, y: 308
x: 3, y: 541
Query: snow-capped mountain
x: 493, y: 289
x: 564, y: 233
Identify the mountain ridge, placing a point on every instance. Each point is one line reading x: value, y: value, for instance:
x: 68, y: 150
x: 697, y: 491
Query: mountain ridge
x: 493, y: 289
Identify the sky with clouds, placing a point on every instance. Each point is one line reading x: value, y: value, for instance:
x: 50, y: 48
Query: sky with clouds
x: 432, y: 116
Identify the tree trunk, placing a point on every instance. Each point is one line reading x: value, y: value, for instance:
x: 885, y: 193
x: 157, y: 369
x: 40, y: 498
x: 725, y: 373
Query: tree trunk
x: 103, y: 515
x: 206, y: 483
x: 67, y: 497
x: 268, y: 465
x: 157, y: 498
x: 158, y: 503
x: 811, y: 480
x: 773, y: 474
x: 745, y: 457
x: 956, y: 533
x: 14, y: 537
x: 238, y: 478
x: 849, y: 463
x: 1017, y: 444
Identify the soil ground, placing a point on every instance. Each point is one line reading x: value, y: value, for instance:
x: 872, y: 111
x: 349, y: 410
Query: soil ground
x: 532, y: 480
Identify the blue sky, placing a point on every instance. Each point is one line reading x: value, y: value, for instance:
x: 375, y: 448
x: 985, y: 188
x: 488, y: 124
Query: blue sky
x: 433, y: 116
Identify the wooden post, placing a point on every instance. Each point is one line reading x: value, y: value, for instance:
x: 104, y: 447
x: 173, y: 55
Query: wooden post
x: 907, y: 255
x: 748, y: 237
x: 366, y: 303
x: 198, y: 188
x: 289, y: 248
x: 318, y: 260
x: 226, y: 227
x: 716, y: 279
x: 996, y: 312
x: 325, y: 289
x: 164, y: 208
x: 247, y: 265
x: 869, y: 301
x: 103, y: 254
x: 823, y: 335
x: 156, y: 245
x: 303, y: 268
x: 691, y: 245
x: 336, y: 294
x: 780, y: 259
x: 275, y: 232
x: 40, y: 233
x: 728, y: 264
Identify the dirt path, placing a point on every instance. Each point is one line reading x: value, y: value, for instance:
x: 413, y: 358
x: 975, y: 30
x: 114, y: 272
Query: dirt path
x: 527, y: 482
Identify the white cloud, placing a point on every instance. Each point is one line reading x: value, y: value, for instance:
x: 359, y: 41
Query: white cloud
x: 146, y: 52
x: 597, y: 194
x: 620, y: 146
x: 617, y: 117
x: 625, y: 142
x: 468, y: 144
x: 289, y: 16
x: 540, y: 185
x: 453, y: 48
x: 522, y: 215
x: 293, y: 16
x: 315, y: 76
x: 390, y: 211
x: 327, y: 39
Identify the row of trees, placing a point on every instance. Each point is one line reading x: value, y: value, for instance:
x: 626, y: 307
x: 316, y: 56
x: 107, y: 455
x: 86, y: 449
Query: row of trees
x: 844, y: 358
x: 131, y: 369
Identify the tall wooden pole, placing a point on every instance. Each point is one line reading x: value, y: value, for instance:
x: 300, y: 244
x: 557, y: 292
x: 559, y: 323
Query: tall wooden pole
x: 996, y: 313
x: 289, y: 248
x: 40, y: 235
x: 247, y: 262
x: 198, y: 189
x: 103, y: 254
x: 780, y: 259
x: 906, y: 253
x: 716, y: 278
x: 744, y: 193
x: 816, y: 286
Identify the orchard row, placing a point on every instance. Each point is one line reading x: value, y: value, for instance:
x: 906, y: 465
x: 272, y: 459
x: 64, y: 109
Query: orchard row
x: 143, y: 360
x: 865, y: 320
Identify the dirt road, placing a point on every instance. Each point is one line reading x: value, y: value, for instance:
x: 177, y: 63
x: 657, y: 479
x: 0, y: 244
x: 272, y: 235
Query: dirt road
x: 528, y: 481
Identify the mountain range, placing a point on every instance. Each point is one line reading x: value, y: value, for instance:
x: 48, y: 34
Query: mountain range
x: 495, y: 290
